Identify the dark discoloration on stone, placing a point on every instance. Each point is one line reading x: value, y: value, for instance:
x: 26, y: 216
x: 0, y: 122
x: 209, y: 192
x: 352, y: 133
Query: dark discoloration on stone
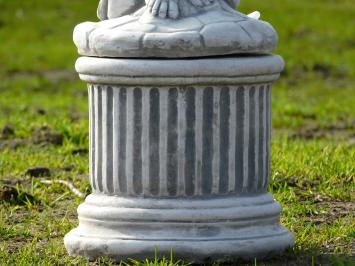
x: 93, y: 107
x: 251, y: 153
x: 137, y: 149
x: 154, y: 142
x: 122, y: 141
x: 268, y: 133
x: 99, y: 138
x: 190, y: 141
x: 261, y: 136
x: 109, y: 132
x: 172, y: 141
x: 224, y: 139
x: 239, y: 140
x: 207, y: 140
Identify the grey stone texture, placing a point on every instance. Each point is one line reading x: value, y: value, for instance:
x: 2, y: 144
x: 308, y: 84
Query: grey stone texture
x: 196, y: 229
x: 109, y: 9
x: 180, y: 130
x: 216, y: 29
x: 179, y: 159
x: 180, y: 141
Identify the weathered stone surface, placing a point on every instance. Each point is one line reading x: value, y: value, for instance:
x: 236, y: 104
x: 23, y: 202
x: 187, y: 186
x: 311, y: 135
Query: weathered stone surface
x: 124, y: 41
x: 177, y: 72
x: 179, y: 159
x: 195, y: 229
x: 109, y: 9
x: 220, y: 30
x: 180, y: 132
x: 226, y: 129
x: 179, y: 42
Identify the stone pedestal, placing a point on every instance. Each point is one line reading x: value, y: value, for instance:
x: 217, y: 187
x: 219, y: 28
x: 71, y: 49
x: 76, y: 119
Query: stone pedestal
x: 179, y: 159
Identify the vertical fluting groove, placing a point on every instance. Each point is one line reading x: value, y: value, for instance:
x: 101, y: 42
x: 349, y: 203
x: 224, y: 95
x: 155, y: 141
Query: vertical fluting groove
x: 172, y: 171
x: 239, y: 139
x: 92, y: 135
x: 261, y: 138
x: 216, y: 140
x: 198, y: 139
x: 224, y: 125
x: 232, y: 140
x: 257, y: 133
x: 268, y: 152
x: 116, y: 139
x: 137, y: 153
x: 154, y: 142
x: 130, y: 142
x: 207, y: 139
x: 181, y: 140
x: 145, y: 140
x: 190, y: 146
x: 108, y: 150
x: 246, y: 140
x: 98, y: 138
x: 104, y: 128
x: 265, y: 136
x: 122, y: 141
x: 163, y: 144
x: 252, y: 137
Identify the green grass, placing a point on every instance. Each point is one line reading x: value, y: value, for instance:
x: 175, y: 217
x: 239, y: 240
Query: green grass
x: 313, y: 149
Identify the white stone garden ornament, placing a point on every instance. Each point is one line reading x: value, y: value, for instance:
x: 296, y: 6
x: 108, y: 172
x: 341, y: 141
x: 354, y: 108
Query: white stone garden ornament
x: 180, y: 129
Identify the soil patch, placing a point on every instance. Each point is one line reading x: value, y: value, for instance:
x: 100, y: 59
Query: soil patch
x: 44, y: 135
x: 7, y: 131
x: 40, y: 136
x: 340, y: 129
x: 333, y: 210
x: 38, y: 172
x: 15, y: 196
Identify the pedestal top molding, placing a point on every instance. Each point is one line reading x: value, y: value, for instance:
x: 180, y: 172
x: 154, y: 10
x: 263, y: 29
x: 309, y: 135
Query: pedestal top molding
x: 173, y: 29
x: 224, y: 70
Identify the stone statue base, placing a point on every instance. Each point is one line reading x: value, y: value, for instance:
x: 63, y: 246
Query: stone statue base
x: 179, y: 159
x: 218, y: 31
x: 198, y: 230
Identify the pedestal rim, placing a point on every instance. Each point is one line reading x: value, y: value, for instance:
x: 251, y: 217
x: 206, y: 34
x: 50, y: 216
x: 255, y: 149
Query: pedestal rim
x: 224, y: 70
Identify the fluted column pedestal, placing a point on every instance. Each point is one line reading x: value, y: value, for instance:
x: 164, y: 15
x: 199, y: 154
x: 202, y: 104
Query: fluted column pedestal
x: 179, y: 159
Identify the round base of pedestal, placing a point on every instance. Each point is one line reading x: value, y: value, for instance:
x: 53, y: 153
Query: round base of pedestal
x: 222, y: 228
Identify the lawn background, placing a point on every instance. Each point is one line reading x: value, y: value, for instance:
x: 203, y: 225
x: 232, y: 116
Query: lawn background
x: 43, y: 119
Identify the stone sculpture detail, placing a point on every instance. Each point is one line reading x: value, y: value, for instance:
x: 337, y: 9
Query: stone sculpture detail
x: 173, y: 28
x: 173, y: 9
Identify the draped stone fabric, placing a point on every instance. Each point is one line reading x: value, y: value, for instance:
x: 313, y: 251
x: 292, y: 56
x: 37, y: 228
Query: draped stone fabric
x: 109, y: 9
